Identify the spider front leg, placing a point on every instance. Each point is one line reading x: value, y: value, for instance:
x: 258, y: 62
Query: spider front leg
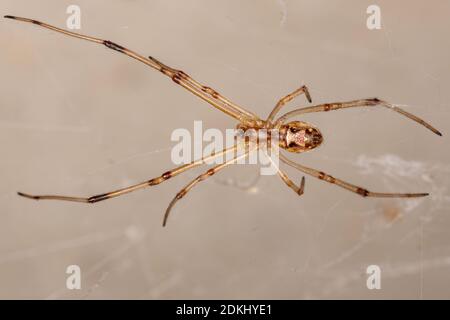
x: 179, y: 77
x: 286, y: 99
x: 152, y: 182
x: 371, y: 102
x: 200, y: 178
x: 297, y: 189
x: 351, y: 187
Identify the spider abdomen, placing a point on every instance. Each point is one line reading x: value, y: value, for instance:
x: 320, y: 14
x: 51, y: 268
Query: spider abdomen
x: 298, y: 136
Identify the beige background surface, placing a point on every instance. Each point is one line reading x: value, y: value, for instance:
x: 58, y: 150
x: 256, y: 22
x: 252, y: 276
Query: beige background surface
x: 78, y: 119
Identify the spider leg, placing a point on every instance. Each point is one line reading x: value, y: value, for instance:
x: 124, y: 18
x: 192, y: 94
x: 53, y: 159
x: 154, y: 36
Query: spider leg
x: 297, y: 189
x: 208, y: 90
x: 353, y: 188
x: 353, y: 104
x: 179, y: 77
x: 200, y: 178
x: 152, y: 182
x: 286, y: 99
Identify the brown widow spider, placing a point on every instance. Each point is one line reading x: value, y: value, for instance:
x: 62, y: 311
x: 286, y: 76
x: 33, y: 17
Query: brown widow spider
x: 295, y: 136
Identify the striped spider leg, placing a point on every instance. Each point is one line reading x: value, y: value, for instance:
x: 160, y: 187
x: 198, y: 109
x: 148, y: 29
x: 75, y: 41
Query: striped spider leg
x: 371, y: 102
x: 148, y: 183
x: 297, y: 189
x: 286, y: 99
x: 348, y: 186
x: 203, y: 177
x: 179, y: 77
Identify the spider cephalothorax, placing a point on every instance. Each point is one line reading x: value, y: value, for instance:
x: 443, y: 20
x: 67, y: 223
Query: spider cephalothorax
x: 295, y: 136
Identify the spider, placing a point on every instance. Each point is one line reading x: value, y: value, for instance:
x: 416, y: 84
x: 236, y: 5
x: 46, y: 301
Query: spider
x: 295, y: 136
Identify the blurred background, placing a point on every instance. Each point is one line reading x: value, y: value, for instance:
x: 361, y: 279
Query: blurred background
x: 79, y: 119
